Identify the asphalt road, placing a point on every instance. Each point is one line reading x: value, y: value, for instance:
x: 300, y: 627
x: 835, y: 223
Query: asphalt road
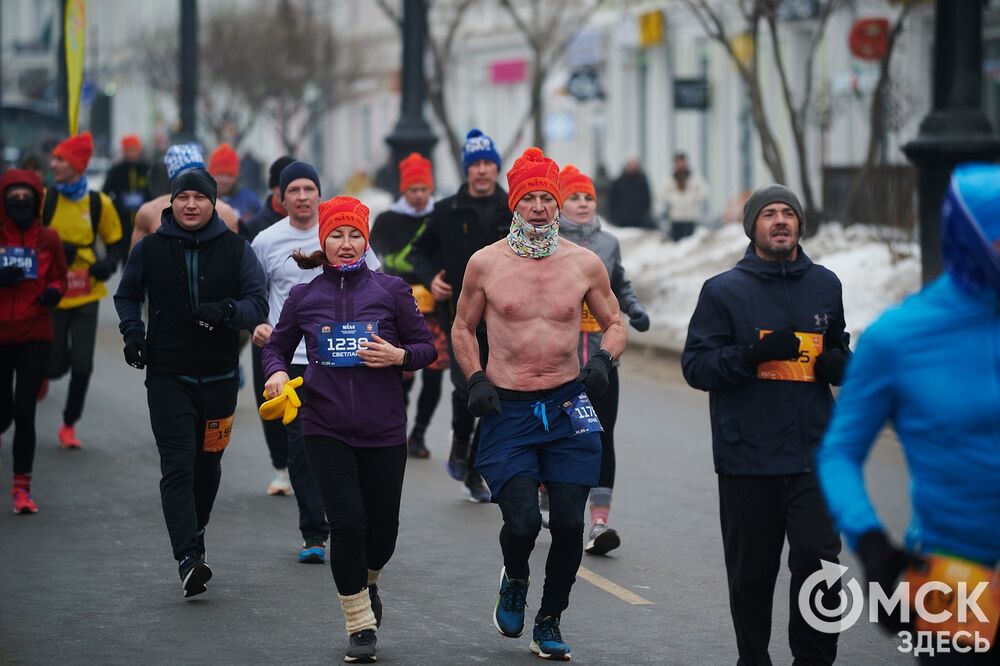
x: 90, y: 578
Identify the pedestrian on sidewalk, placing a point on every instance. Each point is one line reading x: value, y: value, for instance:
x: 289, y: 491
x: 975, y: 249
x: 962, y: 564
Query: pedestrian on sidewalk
x: 201, y: 285
x: 472, y: 218
x: 930, y: 367
x: 767, y: 341
x: 298, y: 188
x: 685, y: 194
x: 393, y: 234
x: 537, y: 424
x: 32, y: 280
x: 84, y: 220
x: 362, y: 330
x: 578, y: 222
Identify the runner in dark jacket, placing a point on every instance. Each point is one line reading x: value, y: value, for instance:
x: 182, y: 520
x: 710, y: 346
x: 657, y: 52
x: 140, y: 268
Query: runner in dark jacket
x: 272, y: 210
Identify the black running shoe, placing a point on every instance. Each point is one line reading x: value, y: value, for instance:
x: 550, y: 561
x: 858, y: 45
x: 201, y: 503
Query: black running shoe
x: 194, y: 576
x: 362, y: 647
x: 602, y: 540
x: 376, y: 604
x: 416, y: 448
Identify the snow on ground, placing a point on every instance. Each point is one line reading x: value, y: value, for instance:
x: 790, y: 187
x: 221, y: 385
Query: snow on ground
x: 668, y: 276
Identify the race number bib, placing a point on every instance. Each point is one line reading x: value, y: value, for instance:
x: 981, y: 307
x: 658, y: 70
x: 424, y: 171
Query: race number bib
x: 801, y: 369
x: 582, y: 415
x: 588, y: 323
x: 132, y: 200
x: 77, y: 283
x: 948, y: 606
x: 217, y: 434
x: 424, y: 298
x: 25, y: 257
x: 338, y: 344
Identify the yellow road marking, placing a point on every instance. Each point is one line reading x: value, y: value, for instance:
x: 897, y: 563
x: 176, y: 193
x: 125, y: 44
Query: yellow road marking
x: 612, y: 588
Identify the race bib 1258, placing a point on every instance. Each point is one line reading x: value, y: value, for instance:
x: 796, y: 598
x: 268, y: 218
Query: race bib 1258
x: 25, y: 257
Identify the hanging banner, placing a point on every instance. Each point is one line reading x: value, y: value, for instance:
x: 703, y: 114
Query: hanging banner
x: 75, y: 30
x: 650, y: 29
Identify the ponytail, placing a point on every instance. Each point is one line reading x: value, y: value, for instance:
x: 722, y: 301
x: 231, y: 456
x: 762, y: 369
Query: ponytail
x: 309, y: 261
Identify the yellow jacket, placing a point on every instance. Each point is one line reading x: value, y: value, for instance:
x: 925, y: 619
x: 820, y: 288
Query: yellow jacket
x: 72, y: 222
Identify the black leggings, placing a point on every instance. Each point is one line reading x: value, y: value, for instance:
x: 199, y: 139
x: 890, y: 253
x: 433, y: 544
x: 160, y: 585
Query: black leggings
x: 75, y: 334
x: 25, y: 362
x: 361, y: 488
x: 430, y: 394
x: 606, y: 406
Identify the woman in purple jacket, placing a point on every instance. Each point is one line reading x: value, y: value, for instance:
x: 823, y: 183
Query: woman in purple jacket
x: 362, y: 330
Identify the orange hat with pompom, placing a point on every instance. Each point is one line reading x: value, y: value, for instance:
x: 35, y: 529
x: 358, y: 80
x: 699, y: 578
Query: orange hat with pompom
x: 339, y: 212
x: 76, y: 150
x: 571, y: 181
x: 532, y: 172
x: 224, y: 160
x: 415, y: 170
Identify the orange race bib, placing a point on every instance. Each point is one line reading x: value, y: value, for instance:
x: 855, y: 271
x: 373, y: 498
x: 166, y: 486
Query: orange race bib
x: 217, y: 434
x: 951, y: 571
x: 77, y: 283
x: 424, y: 298
x: 801, y: 369
x: 588, y: 323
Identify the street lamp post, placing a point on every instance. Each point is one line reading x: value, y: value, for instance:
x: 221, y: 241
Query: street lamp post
x: 956, y: 130
x: 188, y: 64
x: 412, y: 132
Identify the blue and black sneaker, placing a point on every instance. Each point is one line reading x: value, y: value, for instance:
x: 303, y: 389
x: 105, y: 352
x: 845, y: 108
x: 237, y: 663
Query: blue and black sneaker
x: 313, y: 551
x: 547, y: 642
x: 508, y: 615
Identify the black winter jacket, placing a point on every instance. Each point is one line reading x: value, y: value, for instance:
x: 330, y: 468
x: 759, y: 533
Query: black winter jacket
x: 762, y: 426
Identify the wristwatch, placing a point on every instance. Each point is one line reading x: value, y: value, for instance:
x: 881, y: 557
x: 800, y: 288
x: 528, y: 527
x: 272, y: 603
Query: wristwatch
x: 406, y: 356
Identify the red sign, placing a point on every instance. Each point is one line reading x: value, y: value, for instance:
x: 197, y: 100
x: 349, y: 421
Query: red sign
x: 869, y: 38
x: 508, y: 71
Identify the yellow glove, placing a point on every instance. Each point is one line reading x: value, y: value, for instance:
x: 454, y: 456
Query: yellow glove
x: 284, y: 406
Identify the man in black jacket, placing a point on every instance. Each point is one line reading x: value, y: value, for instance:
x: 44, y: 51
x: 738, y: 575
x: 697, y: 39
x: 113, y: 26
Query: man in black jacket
x: 462, y: 224
x: 191, y: 349
x: 766, y: 341
x: 127, y: 185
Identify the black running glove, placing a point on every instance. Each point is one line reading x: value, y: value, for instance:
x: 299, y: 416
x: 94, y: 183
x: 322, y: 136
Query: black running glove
x: 883, y: 563
x: 103, y: 268
x: 483, y: 398
x: 70, y: 251
x: 595, y: 373
x: 211, y: 315
x: 135, y: 351
x: 11, y: 275
x: 638, y: 317
x: 49, y: 297
x: 776, y: 346
x: 830, y: 366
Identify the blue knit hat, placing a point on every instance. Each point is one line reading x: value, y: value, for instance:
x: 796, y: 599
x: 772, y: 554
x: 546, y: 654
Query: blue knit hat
x: 294, y: 171
x: 183, y: 156
x: 970, y: 225
x: 477, y: 147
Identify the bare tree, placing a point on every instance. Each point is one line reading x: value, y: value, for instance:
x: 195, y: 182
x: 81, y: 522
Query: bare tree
x: 548, y: 28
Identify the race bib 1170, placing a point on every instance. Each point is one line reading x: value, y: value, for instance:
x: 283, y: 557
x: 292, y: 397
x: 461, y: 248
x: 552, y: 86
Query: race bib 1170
x: 337, y: 344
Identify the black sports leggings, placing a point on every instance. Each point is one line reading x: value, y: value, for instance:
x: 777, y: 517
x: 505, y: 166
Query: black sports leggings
x: 606, y: 406
x: 74, y: 337
x: 24, y: 363
x: 430, y: 394
x: 361, y: 487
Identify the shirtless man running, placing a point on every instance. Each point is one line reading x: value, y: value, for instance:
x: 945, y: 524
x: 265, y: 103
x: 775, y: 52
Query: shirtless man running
x: 537, y: 422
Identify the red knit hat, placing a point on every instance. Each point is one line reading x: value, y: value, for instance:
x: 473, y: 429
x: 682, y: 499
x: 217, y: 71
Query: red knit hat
x: 532, y: 172
x: 131, y: 142
x: 415, y: 170
x: 224, y: 160
x: 76, y: 150
x: 572, y: 181
x: 339, y: 212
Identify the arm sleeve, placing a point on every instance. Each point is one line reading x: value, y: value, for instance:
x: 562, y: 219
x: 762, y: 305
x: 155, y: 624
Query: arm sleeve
x: 130, y: 295
x: 710, y: 360
x: 863, y: 406
x: 251, y: 308
x: 280, y: 347
x: 620, y: 284
x: 425, y: 250
x: 414, y: 335
x: 110, y: 227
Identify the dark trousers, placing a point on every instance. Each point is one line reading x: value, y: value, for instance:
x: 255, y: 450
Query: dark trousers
x: 606, y: 406
x: 681, y: 229
x: 22, y: 369
x: 522, y: 521
x: 757, y: 513
x: 312, y: 514
x: 361, y: 489
x: 430, y: 395
x: 190, y: 477
x: 274, y: 433
x: 74, y: 336
x: 463, y: 423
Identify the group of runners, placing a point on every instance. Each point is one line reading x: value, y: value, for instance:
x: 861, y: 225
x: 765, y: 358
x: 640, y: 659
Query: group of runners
x: 520, y: 294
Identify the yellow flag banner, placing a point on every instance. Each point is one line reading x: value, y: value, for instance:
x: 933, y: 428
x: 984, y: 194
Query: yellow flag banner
x: 76, y: 32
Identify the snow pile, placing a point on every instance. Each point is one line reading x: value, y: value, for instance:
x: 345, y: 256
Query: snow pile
x: 668, y: 276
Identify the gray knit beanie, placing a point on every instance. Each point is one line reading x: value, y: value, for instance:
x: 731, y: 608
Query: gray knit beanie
x: 769, y: 194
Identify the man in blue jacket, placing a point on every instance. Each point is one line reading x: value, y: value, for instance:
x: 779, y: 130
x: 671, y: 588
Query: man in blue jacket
x: 766, y: 341
x: 204, y: 284
x: 931, y: 366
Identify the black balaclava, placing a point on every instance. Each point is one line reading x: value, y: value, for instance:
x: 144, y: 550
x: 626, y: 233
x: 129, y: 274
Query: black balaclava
x: 21, y: 211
